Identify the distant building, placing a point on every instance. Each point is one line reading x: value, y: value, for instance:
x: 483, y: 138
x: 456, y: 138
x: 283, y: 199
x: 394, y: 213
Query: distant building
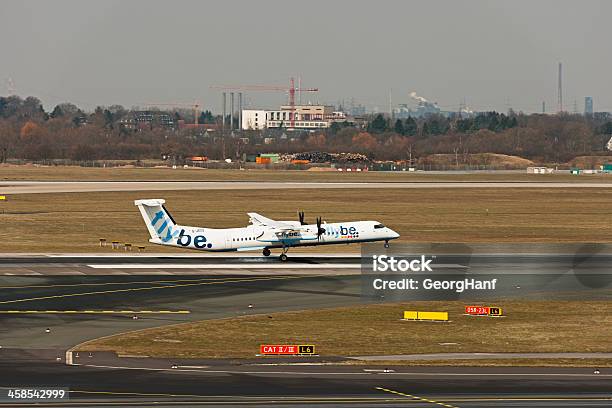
x: 149, y: 120
x: 588, y: 106
x: 305, y: 117
x: 425, y: 109
x: 253, y: 119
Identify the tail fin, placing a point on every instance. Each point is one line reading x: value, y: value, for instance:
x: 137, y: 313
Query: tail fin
x: 158, y: 220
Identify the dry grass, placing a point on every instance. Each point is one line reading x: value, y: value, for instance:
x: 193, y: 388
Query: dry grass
x: 13, y: 173
x: 550, y: 326
x: 73, y: 222
x: 505, y: 362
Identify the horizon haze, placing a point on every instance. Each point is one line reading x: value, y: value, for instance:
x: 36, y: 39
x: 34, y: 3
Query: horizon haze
x: 492, y: 55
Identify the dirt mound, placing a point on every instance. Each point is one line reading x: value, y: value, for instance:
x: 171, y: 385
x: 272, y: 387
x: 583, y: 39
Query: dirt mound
x: 589, y: 162
x: 488, y: 160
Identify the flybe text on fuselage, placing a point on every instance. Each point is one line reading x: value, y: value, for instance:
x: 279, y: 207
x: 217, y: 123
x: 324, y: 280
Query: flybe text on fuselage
x: 341, y: 231
x: 199, y: 241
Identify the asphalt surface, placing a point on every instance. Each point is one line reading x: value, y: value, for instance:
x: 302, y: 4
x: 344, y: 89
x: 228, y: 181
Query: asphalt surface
x: 31, y: 356
x: 23, y: 187
x: 423, y: 387
x: 205, y: 297
x: 171, y: 264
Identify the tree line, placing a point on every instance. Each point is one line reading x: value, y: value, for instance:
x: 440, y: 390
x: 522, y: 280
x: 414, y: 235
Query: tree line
x: 28, y: 132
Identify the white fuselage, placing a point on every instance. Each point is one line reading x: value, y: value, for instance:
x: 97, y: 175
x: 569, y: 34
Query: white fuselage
x: 255, y: 237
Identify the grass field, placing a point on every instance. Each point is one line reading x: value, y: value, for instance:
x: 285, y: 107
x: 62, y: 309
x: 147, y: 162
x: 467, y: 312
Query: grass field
x: 65, y: 173
x: 74, y: 222
x: 377, y: 330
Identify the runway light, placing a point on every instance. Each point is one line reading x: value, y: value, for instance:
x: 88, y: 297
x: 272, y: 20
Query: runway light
x: 47, y: 330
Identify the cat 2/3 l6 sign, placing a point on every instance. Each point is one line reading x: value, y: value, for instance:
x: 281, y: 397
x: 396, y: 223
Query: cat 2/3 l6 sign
x: 286, y: 349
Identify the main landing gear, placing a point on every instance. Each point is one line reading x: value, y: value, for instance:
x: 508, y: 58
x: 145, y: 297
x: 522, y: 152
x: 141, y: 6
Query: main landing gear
x: 283, y: 257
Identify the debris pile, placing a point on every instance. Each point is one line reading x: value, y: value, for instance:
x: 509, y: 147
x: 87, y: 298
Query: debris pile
x: 324, y: 157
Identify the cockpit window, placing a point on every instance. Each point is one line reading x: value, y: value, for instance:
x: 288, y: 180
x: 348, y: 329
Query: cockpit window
x: 377, y: 226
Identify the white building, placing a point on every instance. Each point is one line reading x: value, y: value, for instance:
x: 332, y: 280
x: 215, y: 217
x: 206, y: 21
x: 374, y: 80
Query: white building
x: 253, y: 119
x: 306, y: 117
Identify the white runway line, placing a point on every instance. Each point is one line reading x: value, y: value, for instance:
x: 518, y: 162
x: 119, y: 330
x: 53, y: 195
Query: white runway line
x: 226, y: 266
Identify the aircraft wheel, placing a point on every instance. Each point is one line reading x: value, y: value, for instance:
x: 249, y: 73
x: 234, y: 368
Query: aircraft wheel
x: 386, y: 244
x: 266, y: 252
x: 283, y: 257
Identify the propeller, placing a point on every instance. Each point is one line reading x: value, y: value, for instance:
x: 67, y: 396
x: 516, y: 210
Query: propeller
x: 301, y: 216
x: 320, y: 231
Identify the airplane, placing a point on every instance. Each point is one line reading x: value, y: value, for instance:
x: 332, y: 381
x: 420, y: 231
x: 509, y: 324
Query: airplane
x: 263, y: 233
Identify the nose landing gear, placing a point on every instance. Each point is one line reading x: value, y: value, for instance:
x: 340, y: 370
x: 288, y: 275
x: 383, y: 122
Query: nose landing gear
x: 386, y: 244
x: 283, y: 256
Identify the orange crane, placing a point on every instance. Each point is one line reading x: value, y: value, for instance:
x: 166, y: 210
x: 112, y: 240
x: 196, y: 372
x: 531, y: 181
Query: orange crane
x: 195, y: 106
x: 271, y: 88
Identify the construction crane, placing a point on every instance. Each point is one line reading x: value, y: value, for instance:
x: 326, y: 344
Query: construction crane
x: 271, y: 88
x: 195, y: 106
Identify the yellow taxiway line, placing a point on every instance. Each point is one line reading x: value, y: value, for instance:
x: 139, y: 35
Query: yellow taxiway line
x: 95, y: 311
x: 104, y: 292
x: 417, y: 398
x: 69, y: 285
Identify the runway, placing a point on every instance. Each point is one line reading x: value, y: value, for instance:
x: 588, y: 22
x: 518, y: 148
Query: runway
x: 173, y: 264
x: 25, y: 187
x: 248, y: 385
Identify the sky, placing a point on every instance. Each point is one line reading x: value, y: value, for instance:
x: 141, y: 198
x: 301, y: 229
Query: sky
x: 493, y: 55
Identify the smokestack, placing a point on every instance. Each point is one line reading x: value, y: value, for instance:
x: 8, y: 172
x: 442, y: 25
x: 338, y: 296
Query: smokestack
x: 240, y: 110
x: 224, y: 113
x: 560, y: 90
x: 231, y: 111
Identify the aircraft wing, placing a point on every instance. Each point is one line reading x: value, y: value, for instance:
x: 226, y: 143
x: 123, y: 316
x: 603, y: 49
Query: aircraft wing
x: 262, y: 221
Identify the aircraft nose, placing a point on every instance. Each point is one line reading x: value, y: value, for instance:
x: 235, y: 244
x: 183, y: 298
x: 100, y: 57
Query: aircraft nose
x: 393, y: 234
